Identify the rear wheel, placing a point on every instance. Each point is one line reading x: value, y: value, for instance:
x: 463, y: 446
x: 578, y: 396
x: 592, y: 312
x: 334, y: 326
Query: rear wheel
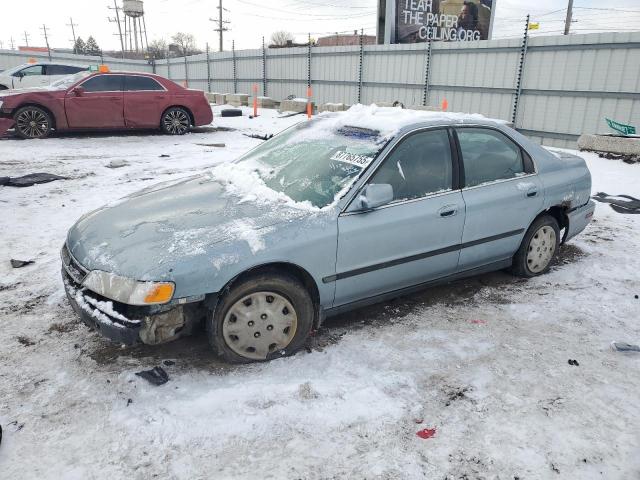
x: 263, y: 317
x: 538, y: 248
x: 175, y: 121
x: 33, y: 122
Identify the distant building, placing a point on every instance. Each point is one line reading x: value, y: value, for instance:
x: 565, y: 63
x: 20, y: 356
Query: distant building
x: 33, y: 49
x: 344, y: 40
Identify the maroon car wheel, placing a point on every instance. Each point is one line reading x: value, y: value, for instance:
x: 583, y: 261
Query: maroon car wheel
x: 32, y: 122
x: 176, y: 121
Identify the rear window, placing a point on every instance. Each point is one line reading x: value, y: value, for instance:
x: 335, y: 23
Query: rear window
x: 139, y: 83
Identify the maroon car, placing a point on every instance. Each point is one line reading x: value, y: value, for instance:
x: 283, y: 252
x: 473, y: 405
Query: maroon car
x: 104, y: 101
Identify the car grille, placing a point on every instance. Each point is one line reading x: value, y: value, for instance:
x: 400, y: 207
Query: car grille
x: 76, y: 271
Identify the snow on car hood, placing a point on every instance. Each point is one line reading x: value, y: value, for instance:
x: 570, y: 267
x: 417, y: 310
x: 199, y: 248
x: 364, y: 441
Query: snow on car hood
x: 20, y: 91
x: 163, y: 224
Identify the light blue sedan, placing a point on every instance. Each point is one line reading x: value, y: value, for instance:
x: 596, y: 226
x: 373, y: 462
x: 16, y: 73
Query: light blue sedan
x: 330, y: 215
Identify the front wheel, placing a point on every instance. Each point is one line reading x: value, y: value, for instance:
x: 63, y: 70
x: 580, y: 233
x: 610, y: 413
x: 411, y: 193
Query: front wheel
x: 33, y: 122
x: 538, y: 248
x: 263, y: 317
x: 175, y: 121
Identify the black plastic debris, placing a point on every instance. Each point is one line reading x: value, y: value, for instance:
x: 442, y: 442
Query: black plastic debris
x: 30, y: 180
x: 168, y: 363
x: 21, y: 263
x: 573, y: 362
x: 624, y: 204
x: 156, y: 376
x: 164, y: 155
x: 264, y: 137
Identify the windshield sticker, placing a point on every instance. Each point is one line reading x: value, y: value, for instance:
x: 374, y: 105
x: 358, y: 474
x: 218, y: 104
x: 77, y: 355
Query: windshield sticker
x: 352, y: 158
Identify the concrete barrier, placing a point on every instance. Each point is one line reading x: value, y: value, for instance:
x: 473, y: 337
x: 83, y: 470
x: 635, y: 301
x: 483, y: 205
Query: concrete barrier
x: 423, y: 108
x: 266, y: 102
x: 333, y: 107
x: 610, y: 144
x: 221, y: 98
x: 238, y: 99
x: 297, y: 105
x: 211, y: 97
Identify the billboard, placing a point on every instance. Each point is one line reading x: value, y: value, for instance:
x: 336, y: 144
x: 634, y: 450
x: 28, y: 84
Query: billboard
x: 416, y: 21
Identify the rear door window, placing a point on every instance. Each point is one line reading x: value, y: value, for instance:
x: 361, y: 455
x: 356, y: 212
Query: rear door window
x: 63, y: 69
x: 420, y: 165
x: 134, y: 83
x: 29, y: 71
x: 103, y: 83
x: 488, y: 155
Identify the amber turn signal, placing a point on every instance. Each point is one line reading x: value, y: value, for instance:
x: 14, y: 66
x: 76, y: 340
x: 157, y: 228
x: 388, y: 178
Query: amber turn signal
x: 161, y: 293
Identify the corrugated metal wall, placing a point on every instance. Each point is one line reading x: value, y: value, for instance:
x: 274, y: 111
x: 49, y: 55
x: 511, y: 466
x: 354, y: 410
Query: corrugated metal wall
x: 569, y: 83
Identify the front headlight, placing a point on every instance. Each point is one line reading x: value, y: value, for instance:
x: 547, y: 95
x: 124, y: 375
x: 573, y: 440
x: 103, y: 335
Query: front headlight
x: 127, y: 290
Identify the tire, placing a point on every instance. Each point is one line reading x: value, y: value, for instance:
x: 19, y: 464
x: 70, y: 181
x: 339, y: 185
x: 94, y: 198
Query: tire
x: 263, y: 317
x: 33, y: 122
x: 231, y: 112
x: 538, y: 249
x: 175, y: 121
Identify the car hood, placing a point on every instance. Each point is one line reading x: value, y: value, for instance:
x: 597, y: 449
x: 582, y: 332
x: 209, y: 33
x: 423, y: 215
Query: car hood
x: 167, y: 222
x: 25, y: 91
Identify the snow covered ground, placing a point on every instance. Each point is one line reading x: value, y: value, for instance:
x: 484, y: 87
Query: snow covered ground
x: 483, y: 361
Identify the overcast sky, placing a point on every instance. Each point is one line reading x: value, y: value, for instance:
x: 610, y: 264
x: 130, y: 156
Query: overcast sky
x: 251, y: 19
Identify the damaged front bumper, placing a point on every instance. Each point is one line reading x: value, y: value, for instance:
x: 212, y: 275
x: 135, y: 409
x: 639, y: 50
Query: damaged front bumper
x: 106, y: 320
x: 122, y: 323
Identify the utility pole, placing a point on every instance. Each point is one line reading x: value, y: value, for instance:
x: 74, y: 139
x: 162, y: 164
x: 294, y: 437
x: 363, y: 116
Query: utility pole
x: 73, y: 32
x: 26, y: 38
x: 1, y: 45
x: 13, y: 46
x: 567, y: 23
x: 117, y: 20
x: 46, y: 39
x: 221, y: 23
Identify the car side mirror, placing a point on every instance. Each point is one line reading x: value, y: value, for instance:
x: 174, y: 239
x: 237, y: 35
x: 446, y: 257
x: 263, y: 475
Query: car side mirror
x: 78, y: 91
x: 375, y: 195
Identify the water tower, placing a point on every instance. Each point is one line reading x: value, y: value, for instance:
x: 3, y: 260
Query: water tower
x: 135, y: 27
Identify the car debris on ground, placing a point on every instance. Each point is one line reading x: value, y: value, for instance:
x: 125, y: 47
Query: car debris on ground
x: 156, y: 376
x: 624, y: 347
x: 21, y: 263
x: 29, y: 180
x: 625, y: 204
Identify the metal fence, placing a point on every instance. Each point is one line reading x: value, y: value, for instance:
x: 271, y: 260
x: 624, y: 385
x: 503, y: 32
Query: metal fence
x: 556, y: 87
x: 13, y: 58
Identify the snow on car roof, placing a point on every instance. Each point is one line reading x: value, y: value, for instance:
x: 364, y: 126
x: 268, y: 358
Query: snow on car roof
x: 390, y: 120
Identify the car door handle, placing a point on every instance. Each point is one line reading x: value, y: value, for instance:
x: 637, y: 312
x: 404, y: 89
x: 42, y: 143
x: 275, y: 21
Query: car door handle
x: 532, y: 192
x: 448, y: 211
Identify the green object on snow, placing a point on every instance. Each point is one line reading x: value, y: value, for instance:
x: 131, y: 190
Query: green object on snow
x: 621, y: 127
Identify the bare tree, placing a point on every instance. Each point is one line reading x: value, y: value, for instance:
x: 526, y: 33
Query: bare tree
x: 186, y: 42
x: 158, y: 49
x: 281, y: 38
